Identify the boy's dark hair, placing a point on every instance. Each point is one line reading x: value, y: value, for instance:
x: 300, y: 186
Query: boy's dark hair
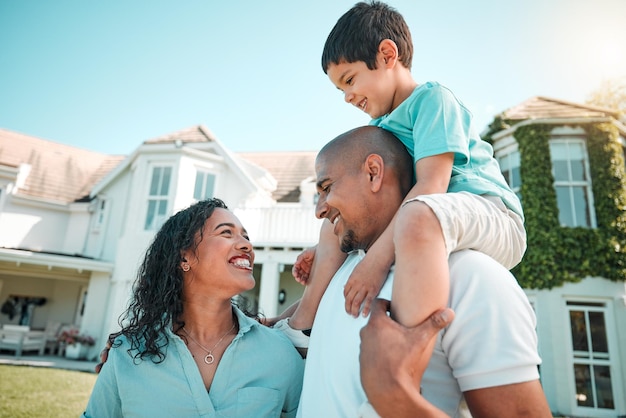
x: 358, y: 33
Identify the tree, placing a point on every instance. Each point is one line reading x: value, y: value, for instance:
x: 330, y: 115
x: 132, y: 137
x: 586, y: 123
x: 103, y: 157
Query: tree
x: 611, y: 94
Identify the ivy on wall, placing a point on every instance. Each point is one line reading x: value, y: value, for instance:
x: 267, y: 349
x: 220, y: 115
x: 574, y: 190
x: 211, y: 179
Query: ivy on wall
x: 556, y: 254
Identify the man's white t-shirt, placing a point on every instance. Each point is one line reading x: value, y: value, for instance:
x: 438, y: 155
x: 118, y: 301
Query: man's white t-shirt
x: 491, y: 342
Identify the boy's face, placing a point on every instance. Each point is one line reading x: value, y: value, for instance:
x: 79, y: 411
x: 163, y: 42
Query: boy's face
x: 372, y: 91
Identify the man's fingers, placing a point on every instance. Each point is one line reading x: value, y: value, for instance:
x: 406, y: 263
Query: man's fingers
x: 433, y: 324
x: 379, y: 307
x: 442, y: 318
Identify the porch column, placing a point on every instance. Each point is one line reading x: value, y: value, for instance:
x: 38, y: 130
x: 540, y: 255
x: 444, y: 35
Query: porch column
x: 268, y: 291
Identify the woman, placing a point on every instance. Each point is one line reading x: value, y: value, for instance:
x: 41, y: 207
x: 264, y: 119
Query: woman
x: 184, y: 349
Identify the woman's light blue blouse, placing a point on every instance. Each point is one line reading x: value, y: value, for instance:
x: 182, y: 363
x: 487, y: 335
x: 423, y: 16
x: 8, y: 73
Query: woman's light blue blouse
x: 259, y: 375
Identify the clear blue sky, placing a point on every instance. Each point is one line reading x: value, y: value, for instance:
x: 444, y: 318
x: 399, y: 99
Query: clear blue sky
x: 107, y: 75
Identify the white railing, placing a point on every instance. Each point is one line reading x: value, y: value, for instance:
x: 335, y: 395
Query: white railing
x: 284, y: 226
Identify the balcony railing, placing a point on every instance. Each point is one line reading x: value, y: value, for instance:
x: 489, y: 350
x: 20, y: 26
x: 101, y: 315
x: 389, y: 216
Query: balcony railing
x: 281, y: 226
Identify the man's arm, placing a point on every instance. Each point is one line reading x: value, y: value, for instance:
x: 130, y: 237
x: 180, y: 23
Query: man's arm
x: 392, y: 362
x: 517, y: 400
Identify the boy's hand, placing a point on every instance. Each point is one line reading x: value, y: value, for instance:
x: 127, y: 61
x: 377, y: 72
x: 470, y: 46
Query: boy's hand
x: 302, y: 267
x: 104, y: 354
x: 363, y: 286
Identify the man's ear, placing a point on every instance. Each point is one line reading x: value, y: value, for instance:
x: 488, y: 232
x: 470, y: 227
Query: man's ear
x: 388, y: 53
x: 375, y: 168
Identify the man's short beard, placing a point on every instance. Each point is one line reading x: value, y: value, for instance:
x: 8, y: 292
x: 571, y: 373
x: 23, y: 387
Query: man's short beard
x: 349, y: 242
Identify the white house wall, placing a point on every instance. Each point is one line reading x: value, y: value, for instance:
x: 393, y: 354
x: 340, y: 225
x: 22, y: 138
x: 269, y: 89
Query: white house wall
x: 77, y: 229
x: 554, y: 332
x: 102, y: 242
x: 96, y: 308
x: 228, y: 185
x: 27, y: 223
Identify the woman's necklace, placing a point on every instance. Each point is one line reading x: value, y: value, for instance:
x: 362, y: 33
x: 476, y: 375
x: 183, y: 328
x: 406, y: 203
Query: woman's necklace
x: 209, y: 359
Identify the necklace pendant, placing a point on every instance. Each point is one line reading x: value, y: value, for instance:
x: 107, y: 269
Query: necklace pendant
x: 209, y: 359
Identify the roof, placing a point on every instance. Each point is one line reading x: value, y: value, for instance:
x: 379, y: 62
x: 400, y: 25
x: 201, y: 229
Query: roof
x: 196, y: 133
x: 58, y: 172
x: 540, y: 107
x: 67, y: 174
x: 289, y: 168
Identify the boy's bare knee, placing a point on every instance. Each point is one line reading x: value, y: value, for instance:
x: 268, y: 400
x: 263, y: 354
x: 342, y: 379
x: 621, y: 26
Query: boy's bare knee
x: 416, y: 219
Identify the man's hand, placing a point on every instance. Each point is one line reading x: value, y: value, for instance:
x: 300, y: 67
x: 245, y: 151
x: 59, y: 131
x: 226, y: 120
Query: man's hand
x: 392, y: 361
x: 363, y: 286
x: 302, y: 267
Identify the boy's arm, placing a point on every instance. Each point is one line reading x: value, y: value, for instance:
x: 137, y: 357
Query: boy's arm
x: 433, y: 176
x: 370, y: 273
x: 328, y: 258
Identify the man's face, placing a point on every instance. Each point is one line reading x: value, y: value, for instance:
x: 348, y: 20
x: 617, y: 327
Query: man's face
x: 343, y: 200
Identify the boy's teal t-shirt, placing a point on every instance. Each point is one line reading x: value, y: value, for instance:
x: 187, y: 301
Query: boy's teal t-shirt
x: 432, y: 121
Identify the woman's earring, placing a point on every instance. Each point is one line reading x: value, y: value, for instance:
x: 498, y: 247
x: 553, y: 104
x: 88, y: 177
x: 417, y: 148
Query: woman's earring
x: 185, y: 267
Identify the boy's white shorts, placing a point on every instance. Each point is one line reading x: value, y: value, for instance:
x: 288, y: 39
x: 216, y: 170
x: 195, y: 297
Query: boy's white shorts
x: 479, y: 222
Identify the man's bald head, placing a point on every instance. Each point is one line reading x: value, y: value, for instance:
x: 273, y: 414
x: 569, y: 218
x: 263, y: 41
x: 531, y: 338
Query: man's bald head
x: 351, y: 149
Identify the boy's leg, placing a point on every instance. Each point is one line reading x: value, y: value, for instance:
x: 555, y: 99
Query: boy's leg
x: 429, y: 228
x: 328, y: 259
x: 479, y: 222
x: 421, y: 280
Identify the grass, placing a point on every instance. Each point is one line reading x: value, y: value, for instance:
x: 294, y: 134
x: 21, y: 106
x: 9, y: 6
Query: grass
x: 41, y: 392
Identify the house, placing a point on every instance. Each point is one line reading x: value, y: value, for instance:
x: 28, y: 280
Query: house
x: 566, y: 162
x: 74, y: 225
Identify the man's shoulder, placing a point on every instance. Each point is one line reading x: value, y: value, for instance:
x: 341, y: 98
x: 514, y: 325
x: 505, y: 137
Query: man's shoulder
x: 475, y: 261
x: 476, y: 275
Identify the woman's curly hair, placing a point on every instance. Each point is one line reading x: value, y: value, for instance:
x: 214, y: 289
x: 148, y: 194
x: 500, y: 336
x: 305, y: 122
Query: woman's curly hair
x: 157, y: 301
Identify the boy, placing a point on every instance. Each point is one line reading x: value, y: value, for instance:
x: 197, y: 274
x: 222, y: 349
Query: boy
x: 460, y: 198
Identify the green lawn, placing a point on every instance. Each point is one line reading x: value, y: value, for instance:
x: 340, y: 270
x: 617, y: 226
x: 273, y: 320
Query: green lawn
x: 41, y: 392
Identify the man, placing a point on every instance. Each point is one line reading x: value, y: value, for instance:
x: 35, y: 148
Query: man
x: 484, y: 362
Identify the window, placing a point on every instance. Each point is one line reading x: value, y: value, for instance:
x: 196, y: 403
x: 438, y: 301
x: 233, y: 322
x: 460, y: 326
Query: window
x: 570, y: 169
x: 205, y: 185
x: 591, y: 359
x: 509, y: 165
x: 99, y: 217
x: 158, y: 197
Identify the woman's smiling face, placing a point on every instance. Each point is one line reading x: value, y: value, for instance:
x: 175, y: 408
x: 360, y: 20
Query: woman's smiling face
x: 224, y: 257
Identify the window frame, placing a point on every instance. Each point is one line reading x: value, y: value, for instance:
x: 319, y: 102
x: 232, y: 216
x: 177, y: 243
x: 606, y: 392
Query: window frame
x: 205, y: 173
x: 100, y: 214
x: 158, y: 218
x: 577, y: 357
x: 571, y: 184
x: 507, y: 154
